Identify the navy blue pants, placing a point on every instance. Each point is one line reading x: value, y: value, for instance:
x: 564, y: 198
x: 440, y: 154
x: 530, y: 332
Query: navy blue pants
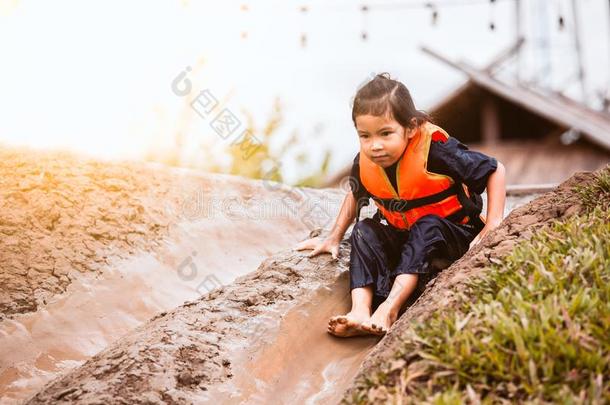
x: 380, y: 252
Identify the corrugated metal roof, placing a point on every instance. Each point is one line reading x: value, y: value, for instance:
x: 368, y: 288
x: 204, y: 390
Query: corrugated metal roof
x: 594, y: 125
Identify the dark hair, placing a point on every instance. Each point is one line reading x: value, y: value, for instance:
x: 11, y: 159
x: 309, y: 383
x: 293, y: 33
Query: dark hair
x: 383, y: 95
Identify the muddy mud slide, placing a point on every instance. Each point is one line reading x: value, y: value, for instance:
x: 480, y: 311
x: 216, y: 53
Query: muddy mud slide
x: 63, y: 216
x: 92, y: 249
x: 442, y: 292
x: 261, y: 339
x: 249, y: 341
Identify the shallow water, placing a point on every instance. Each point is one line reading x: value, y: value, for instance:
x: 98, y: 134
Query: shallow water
x: 38, y: 346
x: 291, y: 361
x: 295, y: 360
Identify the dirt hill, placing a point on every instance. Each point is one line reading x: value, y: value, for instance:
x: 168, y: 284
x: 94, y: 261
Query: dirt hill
x: 92, y: 249
x: 260, y: 338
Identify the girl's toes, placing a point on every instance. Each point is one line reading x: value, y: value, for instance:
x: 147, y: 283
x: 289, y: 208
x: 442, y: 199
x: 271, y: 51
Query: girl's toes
x: 366, y: 328
x: 373, y: 329
x: 334, y: 320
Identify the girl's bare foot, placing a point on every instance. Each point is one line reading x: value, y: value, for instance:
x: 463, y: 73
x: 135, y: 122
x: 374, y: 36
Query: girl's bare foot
x: 379, y: 323
x: 347, y: 325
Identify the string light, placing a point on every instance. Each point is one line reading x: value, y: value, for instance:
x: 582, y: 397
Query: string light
x: 364, y: 35
x: 244, y: 9
x: 433, y: 6
x: 303, y: 10
x: 560, y: 20
x: 427, y: 4
x: 434, y: 15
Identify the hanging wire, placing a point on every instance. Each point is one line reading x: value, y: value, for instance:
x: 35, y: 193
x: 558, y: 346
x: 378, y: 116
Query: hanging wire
x: 426, y: 4
x: 435, y: 6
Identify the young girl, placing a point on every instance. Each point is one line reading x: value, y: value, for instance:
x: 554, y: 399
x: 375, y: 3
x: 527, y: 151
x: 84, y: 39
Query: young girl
x: 427, y: 188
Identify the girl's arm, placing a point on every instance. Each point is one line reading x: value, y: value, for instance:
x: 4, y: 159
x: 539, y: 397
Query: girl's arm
x: 496, y: 196
x: 346, y: 216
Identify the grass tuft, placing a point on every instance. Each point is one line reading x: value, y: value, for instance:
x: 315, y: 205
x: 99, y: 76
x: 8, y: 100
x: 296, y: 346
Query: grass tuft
x: 596, y: 194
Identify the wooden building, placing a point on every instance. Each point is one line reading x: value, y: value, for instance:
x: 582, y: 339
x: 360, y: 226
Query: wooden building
x: 540, y: 138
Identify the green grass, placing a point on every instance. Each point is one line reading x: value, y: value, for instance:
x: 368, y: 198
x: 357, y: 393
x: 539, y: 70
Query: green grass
x: 536, y: 329
x: 598, y: 193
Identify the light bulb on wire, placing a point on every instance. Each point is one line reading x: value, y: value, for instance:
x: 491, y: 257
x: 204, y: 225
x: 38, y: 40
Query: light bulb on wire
x: 364, y: 34
x: 434, y: 13
x: 303, y: 9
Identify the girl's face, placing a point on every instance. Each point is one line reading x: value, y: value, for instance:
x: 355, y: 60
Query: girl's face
x: 382, y: 139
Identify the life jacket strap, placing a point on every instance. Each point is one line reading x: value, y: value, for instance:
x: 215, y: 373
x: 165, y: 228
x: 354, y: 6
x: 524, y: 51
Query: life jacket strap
x: 361, y: 202
x: 469, y: 208
x: 399, y: 205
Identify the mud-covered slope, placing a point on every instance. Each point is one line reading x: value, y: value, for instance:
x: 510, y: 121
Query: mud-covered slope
x: 203, y: 349
x: 178, y: 356
x: 62, y: 216
x: 126, y: 241
x: 442, y: 292
x: 196, y: 352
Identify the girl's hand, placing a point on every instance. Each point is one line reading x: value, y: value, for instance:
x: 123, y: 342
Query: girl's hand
x: 318, y: 245
x: 486, y: 229
x: 496, y: 197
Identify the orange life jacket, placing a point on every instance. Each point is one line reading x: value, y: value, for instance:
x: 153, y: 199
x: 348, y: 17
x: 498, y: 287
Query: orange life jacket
x: 420, y: 192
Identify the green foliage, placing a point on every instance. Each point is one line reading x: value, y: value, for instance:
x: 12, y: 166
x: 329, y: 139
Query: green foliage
x: 597, y: 194
x: 254, y: 152
x: 258, y: 160
x: 316, y: 179
x: 533, y: 330
x: 254, y: 159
